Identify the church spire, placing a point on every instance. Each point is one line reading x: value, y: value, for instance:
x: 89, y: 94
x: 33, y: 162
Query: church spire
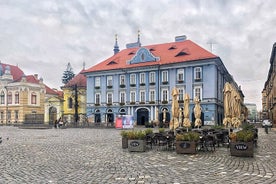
x: 116, y: 47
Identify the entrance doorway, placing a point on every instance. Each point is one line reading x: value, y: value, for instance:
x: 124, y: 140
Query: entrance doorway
x: 142, y: 116
x: 52, y: 115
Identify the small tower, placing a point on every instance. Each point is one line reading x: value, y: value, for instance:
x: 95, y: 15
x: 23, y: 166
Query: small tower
x: 116, y: 47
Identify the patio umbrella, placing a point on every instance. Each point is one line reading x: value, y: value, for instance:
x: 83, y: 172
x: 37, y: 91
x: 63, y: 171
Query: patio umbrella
x: 227, y: 104
x: 187, y: 122
x: 175, y: 110
x: 236, y: 105
x: 197, y: 112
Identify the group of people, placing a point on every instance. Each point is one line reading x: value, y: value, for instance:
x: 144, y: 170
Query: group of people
x: 58, y: 123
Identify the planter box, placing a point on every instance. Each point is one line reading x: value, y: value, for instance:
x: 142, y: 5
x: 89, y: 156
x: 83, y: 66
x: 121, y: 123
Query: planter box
x: 136, y: 145
x: 124, y: 142
x: 242, y: 149
x: 182, y: 147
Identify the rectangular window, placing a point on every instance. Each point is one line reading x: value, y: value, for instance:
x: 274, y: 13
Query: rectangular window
x: 165, y: 95
x: 152, y: 96
x: 197, y: 92
x: 16, y: 98
x: 109, y: 98
x: 142, y: 96
x: 10, y: 98
x: 97, y: 98
x: 109, y: 81
x: 122, y: 79
x: 97, y: 81
x: 152, y: 77
x: 181, y: 94
x: 122, y: 97
x: 198, y: 73
x: 180, y: 75
x: 16, y: 114
x: 142, y: 78
x: 165, y: 76
x: 132, y: 96
x: 2, y: 98
x: 33, y: 98
x: 132, y: 79
x: 70, y: 103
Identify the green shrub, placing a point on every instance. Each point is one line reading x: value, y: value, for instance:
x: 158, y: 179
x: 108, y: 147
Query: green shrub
x: 161, y: 130
x: 189, y: 136
x: 148, y: 131
x: 245, y: 135
x: 136, y: 134
x: 124, y: 133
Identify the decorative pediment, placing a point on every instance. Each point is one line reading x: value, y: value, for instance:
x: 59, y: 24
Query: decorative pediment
x: 143, y: 55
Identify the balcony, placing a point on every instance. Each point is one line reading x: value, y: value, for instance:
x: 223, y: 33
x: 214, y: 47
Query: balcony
x: 165, y: 82
x: 109, y: 87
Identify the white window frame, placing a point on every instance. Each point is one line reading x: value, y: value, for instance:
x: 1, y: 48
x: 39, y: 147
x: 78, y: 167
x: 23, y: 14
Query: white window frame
x: 109, y: 98
x: 98, y: 96
x: 142, y: 78
x: 109, y: 81
x: 132, y: 78
x: 97, y: 81
x: 181, y: 92
x: 142, y: 96
x: 198, y: 73
x: 165, y: 76
x: 132, y: 96
x: 122, y: 79
x: 152, y: 95
x: 122, y: 97
x: 180, y: 75
x: 152, y: 77
x: 198, y: 92
x: 165, y: 93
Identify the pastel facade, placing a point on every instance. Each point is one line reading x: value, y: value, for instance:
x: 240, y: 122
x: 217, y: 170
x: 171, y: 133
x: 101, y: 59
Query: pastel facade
x: 139, y: 80
x: 74, y: 105
x: 22, y: 98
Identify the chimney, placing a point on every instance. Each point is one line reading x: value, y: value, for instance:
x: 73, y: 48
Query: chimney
x: 180, y: 38
x: 36, y: 76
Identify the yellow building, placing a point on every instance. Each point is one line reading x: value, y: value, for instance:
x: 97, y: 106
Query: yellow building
x: 74, y: 106
x: 22, y: 98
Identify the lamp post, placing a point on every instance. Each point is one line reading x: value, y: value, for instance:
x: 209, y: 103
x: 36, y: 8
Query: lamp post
x: 7, y: 108
x: 76, y: 104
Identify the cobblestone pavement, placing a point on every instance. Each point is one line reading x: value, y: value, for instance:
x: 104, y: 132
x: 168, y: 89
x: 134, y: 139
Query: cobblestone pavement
x: 95, y: 156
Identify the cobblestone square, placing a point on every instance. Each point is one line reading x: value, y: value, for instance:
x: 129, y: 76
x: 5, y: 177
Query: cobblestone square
x: 95, y: 156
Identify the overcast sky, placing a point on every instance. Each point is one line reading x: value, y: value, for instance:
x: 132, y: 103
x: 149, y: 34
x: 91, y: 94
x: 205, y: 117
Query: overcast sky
x: 42, y: 36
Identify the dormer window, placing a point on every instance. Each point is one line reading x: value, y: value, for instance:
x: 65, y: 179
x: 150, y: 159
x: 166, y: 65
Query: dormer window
x: 172, y: 47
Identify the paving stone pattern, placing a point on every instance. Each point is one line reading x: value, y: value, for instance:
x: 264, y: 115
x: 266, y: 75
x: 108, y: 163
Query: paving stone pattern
x: 96, y: 156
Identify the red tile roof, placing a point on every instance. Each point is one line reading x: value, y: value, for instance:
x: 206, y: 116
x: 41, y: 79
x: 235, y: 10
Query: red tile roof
x: 17, y: 75
x: 174, y: 52
x: 16, y: 72
x: 79, y: 80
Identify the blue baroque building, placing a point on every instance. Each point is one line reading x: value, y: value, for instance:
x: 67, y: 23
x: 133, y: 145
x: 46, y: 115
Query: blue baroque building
x: 139, y: 79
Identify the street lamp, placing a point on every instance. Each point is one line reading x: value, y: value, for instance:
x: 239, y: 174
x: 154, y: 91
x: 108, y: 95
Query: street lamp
x: 7, y: 108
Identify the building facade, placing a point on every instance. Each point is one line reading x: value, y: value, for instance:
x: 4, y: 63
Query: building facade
x: 269, y: 91
x: 74, y: 106
x: 22, y: 98
x: 253, y: 115
x: 138, y: 81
